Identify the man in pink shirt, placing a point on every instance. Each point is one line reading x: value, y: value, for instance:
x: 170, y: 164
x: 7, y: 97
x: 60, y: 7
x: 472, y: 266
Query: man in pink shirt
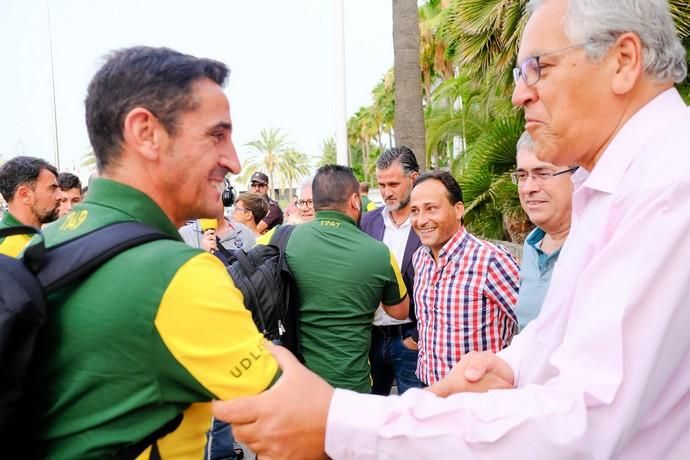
x: 604, y: 372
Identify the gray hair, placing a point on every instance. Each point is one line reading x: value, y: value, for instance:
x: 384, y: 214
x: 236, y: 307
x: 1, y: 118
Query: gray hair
x: 306, y: 182
x: 402, y: 154
x: 600, y: 22
x: 524, y: 143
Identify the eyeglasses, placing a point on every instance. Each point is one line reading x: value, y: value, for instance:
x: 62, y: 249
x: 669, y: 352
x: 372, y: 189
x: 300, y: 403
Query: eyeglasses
x: 237, y: 208
x: 530, y: 70
x: 305, y: 203
x: 539, y: 176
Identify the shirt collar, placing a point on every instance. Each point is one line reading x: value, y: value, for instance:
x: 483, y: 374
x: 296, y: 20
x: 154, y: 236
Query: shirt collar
x: 614, y: 161
x: 535, y: 237
x: 388, y: 220
x: 452, y: 246
x: 130, y: 201
x: 334, y: 215
x: 9, y: 220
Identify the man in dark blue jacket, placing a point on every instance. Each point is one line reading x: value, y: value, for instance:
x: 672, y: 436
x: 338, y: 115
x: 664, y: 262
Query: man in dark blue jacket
x: 393, y: 353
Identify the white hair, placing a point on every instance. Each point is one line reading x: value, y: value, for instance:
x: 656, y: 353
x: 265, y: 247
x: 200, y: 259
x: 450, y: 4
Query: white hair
x: 600, y: 22
x: 306, y: 182
x: 524, y: 143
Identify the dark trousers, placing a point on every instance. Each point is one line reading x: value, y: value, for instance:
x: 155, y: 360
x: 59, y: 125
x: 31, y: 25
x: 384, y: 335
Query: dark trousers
x: 391, y: 361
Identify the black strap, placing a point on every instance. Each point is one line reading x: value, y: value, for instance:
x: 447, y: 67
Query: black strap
x: 32, y: 254
x: 18, y: 230
x: 134, y: 450
x: 77, y: 258
x: 222, y: 252
x: 280, y: 237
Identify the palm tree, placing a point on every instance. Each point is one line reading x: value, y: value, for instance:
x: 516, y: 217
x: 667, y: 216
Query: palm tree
x: 88, y: 159
x: 384, y: 104
x: 273, y: 154
x: 409, y: 116
x: 328, y: 152
x: 491, y: 201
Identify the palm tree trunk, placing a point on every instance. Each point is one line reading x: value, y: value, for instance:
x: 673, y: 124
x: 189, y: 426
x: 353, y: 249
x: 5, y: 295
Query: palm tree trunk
x: 409, y: 117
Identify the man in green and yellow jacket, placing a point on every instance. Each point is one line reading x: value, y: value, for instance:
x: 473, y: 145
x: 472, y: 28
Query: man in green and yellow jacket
x: 161, y: 326
x: 29, y: 185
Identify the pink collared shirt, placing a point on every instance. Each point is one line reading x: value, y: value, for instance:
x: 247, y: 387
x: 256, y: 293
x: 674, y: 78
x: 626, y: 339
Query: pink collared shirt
x: 604, y: 372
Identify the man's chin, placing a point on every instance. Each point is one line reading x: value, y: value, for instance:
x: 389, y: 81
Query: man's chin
x: 52, y: 217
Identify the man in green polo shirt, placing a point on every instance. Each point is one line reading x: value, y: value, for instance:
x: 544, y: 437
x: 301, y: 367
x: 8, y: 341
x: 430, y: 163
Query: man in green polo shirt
x: 161, y: 326
x: 342, y: 275
x: 29, y: 185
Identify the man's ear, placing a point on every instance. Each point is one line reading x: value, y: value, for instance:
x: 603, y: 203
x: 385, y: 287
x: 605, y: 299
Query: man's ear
x: 355, y: 201
x: 25, y: 194
x: 627, y: 55
x: 459, y: 210
x: 144, y: 133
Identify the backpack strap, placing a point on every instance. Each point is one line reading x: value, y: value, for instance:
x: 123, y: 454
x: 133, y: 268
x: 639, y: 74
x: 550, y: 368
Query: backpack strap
x: 133, y: 451
x: 280, y: 237
x: 75, y: 259
x: 19, y: 230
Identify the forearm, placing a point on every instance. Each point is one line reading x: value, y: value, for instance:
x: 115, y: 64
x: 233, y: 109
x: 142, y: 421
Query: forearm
x: 523, y: 423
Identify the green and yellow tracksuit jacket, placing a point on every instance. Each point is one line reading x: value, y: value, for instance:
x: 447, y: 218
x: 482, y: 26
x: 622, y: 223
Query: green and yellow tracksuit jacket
x: 12, y: 245
x: 154, y: 330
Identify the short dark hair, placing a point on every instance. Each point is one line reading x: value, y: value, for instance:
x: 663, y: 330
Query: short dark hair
x: 68, y: 181
x: 332, y: 187
x: 403, y: 154
x: 257, y: 204
x: 19, y: 171
x: 453, y: 190
x: 157, y: 79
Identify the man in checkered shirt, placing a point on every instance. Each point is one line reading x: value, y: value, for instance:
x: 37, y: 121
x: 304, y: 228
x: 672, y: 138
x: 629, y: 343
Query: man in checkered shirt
x: 465, y: 288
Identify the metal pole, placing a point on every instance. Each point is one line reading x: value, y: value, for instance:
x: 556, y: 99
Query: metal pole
x: 52, y: 86
x: 340, y: 98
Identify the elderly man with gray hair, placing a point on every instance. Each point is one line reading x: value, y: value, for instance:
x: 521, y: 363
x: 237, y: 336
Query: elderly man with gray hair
x: 604, y: 371
x: 545, y: 192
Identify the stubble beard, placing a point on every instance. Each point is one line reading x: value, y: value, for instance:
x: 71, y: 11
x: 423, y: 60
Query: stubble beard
x: 48, y: 217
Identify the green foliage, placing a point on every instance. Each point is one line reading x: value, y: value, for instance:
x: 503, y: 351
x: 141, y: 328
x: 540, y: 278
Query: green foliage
x: 328, y: 152
x: 467, y: 51
x: 273, y: 154
x: 491, y: 203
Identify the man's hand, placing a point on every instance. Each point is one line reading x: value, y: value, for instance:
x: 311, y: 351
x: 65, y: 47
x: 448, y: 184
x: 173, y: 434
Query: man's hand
x: 209, y: 242
x: 410, y: 344
x: 286, y: 421
x: 476, y: 372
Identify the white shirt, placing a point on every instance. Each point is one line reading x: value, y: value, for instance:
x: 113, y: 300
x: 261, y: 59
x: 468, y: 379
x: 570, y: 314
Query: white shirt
x: 604, y: 371
x: 395, y: 237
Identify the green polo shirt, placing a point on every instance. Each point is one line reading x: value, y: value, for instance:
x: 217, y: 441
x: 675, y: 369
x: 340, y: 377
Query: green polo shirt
x: 155, y: 329
x: 342, y: 275
x: 12, y: 245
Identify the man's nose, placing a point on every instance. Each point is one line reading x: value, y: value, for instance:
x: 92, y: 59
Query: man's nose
x: 229, y: 158
x: 523, y: 94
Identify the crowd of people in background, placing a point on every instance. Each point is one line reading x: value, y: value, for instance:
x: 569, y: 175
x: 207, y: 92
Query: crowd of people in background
x: 583, y: 335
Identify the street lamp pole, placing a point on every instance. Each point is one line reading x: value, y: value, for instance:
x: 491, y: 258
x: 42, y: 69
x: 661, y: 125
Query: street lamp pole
x: 52, y: 86
x: 340, y: 97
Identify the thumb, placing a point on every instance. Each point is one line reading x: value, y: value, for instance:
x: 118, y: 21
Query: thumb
x: 478, y: 366
x: 286, y: 360
x: 236, y: 411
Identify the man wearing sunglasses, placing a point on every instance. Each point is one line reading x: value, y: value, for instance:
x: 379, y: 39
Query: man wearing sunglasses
x: 545, y: 192
x: 259, y: 184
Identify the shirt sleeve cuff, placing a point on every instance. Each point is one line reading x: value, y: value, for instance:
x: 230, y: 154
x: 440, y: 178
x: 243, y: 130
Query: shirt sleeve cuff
x: 352, y: 421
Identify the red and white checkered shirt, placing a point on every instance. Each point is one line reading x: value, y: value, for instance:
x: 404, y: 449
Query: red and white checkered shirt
x: 463, y: 303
